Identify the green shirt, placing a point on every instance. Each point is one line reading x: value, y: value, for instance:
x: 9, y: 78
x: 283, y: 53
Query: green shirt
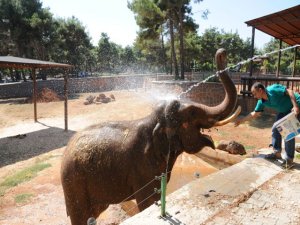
x: 278, y: 99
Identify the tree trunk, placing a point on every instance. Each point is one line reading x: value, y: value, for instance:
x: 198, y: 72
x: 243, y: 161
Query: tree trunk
x: 164, y: 51
x: 173, y: 48
x: 181, y: 40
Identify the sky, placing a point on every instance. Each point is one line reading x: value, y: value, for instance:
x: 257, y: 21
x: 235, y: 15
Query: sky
x: 114, y: 18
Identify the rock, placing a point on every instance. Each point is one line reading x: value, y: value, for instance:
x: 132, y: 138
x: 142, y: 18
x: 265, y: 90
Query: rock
x: 112, y: 97
x: 103, y: 99
x: 232, y: 147
x: 89, y: 100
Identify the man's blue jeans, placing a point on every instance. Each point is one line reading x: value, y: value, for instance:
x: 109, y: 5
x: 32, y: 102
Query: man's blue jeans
x: 277, y: 140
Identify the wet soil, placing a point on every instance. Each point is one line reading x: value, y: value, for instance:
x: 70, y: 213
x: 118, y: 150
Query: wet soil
x: 45, y: 142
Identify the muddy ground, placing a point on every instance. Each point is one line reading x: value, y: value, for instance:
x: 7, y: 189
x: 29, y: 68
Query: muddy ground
x: 24, y: 143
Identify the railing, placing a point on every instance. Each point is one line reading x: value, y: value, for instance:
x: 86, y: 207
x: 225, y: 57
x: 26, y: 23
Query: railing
x: 247, y: 81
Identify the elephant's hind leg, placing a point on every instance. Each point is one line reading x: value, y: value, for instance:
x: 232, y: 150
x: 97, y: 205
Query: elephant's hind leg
x: 96, y: 210
x: 77, y: 203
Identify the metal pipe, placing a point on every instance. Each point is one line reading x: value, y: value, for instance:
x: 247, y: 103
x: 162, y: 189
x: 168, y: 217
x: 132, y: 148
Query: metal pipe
x: 279, y: 59
x: 66, y: 99
x: 252, y: 51
x: 252, y: 54
x: 163, y: 194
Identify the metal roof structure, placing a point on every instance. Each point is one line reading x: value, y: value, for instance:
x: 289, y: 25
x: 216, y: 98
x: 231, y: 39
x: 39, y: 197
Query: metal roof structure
x: 24, y: 63
x: 283, y: 25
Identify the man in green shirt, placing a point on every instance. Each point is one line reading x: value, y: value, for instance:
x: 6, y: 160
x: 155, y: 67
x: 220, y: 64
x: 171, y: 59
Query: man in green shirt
x: 283, y: 101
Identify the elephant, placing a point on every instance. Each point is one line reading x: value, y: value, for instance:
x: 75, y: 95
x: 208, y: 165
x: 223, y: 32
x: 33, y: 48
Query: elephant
x: 111, y: 162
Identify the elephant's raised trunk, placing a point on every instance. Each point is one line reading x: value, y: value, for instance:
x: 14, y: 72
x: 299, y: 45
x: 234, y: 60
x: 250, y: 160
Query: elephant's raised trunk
x: 227, y: 106
x: 216, y: 113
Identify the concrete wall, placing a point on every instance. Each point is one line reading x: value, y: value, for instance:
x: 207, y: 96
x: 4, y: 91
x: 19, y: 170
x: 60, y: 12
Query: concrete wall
x: 209, y: 93
x: 248, y: 105
x: 75, y: 85
x: 206, y: 93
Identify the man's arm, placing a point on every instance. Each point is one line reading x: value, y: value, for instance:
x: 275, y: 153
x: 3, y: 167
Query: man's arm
x: 249, y: 117
x: 293, y: 100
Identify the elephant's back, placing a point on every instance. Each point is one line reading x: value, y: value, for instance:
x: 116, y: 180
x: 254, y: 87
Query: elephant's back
x: 105, y: 144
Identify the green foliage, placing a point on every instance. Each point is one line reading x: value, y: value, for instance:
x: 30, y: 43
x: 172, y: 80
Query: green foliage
x: 107, y: 55
x: 22, y: 176
x: 286, y: 61
x: 167, y: 41
x: 213, y: 39
x: 249, y: 147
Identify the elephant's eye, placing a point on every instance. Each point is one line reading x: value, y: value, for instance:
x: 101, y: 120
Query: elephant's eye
x: 193, y: 113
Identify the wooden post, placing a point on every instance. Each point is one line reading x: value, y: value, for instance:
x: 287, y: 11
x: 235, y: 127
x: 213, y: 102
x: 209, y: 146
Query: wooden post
x: 279, y: 59
x: 252, y: 51
x: 251, y: 62
x: 294, y: 66
x: 34, y: 94
x: 66, y: 99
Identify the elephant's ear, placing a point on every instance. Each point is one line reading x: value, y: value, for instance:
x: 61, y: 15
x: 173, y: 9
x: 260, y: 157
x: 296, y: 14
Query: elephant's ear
x: 172, y: 117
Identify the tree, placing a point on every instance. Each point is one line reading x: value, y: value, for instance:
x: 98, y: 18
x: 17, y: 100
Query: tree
x: 154, y: 17
x: 18, y: 14
x: 150, y: 19
x: 185, y: 24
x: 73, y: 44
x: 127, y: 59
x: 286, y: 61
x: 43, y: 34
x: 107, y: 55
x: 213, y: 39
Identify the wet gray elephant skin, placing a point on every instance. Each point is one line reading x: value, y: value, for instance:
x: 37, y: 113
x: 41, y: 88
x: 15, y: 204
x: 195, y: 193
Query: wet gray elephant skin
x: 106, y: 163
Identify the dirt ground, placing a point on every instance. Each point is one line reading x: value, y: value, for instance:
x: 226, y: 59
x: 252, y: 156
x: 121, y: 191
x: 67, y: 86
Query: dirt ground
x: 45, y: 142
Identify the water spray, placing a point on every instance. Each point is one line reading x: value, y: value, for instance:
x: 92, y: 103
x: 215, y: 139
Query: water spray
x: 238, y: 64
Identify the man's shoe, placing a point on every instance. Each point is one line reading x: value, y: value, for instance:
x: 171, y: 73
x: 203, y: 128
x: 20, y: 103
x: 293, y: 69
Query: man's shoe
x: 287, y: 163
x: 273, y: 156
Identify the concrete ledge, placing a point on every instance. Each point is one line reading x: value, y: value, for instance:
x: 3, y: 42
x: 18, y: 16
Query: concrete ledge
x: 201, y: 199
x: 218, y: 158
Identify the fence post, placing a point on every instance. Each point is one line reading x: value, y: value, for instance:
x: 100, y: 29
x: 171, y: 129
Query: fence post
x: 163, y: 194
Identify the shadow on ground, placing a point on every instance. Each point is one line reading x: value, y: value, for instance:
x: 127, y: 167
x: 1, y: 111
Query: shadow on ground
x: 264, y: 121
x: 24, y: 146
x: 296, y: 165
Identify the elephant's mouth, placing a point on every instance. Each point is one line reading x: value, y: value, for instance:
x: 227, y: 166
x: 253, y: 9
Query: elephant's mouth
x: 208, y: 140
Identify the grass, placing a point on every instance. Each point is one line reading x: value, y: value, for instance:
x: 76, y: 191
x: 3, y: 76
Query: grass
x: 249, y: 147
x: 22, y: 198
x: 22, y: 176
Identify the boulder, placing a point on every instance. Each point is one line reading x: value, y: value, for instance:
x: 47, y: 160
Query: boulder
x: 89, y: 100
x: 232, y: 147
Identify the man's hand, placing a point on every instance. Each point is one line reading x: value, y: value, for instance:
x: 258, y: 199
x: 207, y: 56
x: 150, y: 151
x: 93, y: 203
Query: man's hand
x: 296, y: 110
x: 237, y: 123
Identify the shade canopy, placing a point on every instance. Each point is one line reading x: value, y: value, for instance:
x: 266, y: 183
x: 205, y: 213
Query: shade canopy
x: 283, y: 25
x: 24, y: 63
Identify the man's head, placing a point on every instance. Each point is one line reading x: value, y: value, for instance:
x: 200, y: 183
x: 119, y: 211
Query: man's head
x: 258, y: 90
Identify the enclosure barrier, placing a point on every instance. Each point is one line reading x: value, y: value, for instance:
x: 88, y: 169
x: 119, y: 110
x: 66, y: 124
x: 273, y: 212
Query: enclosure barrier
x: 290, y: 82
